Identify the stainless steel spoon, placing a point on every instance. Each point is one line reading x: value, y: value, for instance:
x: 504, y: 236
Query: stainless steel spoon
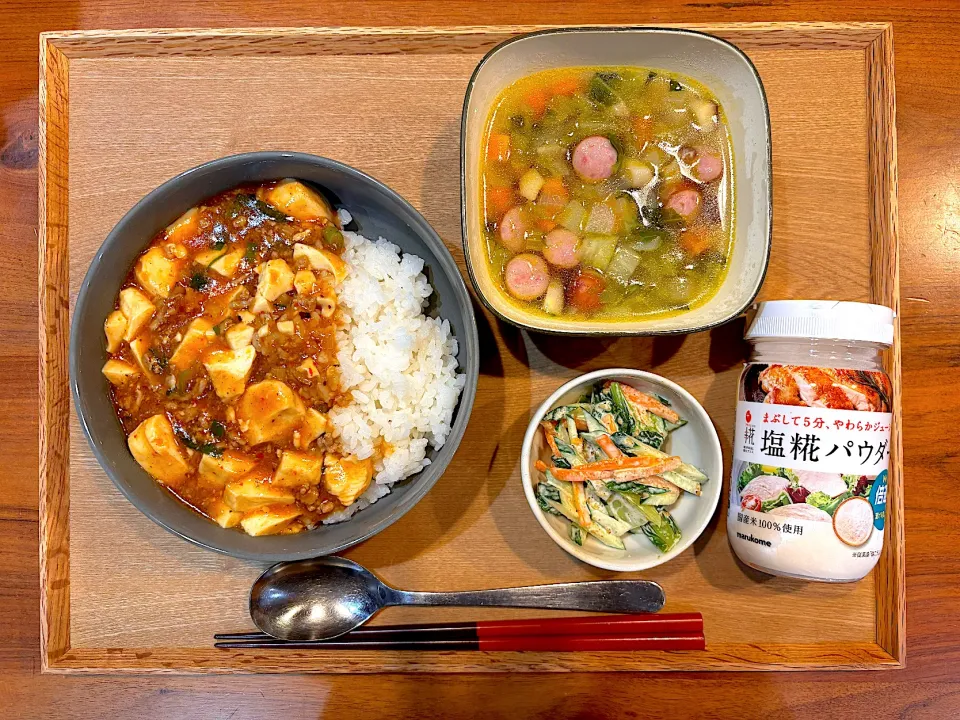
x: 324, y: 598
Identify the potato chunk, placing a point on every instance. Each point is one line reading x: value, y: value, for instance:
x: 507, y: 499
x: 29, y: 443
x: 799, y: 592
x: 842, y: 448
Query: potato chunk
x: 295, y: 199
x: 250, y: 493
x: 347, y: 477
x: 198, y: 336
x: 119, y: 372
x: 239, y: 336
x: 137, y: 309
x: 230, y: 370
x: 314, y: 425
x: 157, y: 273
x: 269, y: 411
x: 222, y: 262
x: 269, y: 520
x: 154, y: 445
x: 320, y: 259
x: 114, y: 327
x: 222, y: 515
x: 297, y: 468
x: 276, y: 278
x: 184, y: 228
x: 232, y: 465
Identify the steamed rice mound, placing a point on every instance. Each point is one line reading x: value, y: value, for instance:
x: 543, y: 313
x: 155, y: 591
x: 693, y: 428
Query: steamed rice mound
x: 398, y: 365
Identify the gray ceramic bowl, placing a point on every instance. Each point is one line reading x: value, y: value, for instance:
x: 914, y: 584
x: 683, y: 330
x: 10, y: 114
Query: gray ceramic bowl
x: 716, y: 63
x: 376, y: 211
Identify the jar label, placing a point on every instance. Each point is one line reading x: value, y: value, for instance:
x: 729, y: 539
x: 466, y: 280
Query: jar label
x: 811, y: 451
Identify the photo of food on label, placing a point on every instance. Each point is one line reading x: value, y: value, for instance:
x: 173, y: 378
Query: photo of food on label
x: 822, y: 387
x: 840, y: 499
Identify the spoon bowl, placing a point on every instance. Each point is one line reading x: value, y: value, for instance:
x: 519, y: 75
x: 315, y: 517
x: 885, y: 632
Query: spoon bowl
x: 317, y: 599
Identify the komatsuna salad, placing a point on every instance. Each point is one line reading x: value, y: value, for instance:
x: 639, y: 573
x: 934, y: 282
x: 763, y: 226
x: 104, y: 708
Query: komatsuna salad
x: 608, y: 475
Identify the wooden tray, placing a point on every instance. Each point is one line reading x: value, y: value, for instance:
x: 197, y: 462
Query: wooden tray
x: 122, y: 111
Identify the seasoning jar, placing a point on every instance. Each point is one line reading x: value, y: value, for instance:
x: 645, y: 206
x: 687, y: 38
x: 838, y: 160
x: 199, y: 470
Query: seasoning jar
x: 812, y: 445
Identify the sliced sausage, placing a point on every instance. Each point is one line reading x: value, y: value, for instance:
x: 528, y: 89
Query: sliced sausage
x: 526, y: 276
x: 708, y: 167
x: 685, y: 203
x: 594, y: 158
x: 513, y: 229
x: 562, y: 248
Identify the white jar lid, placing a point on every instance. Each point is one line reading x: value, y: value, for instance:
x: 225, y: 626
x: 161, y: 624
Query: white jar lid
x: 822, y: 320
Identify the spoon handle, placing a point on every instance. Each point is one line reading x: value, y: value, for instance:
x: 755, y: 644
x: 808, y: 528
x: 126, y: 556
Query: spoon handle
x: 609, y: 596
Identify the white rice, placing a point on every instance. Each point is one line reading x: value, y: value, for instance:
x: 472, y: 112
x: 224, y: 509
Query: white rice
x: 400, y: 366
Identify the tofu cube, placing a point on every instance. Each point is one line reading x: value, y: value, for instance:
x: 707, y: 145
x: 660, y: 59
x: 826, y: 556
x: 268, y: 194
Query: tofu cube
x: 246, y: 316
x: 346, y: 477
x: 314, y: 425
x: 197, y: 338
x: 232, y: 465
x: 140, y: 347
x: 154, y: 445
x: 222, y: 262
x: 269, y: 411
x: 261, y: 304
x: 297, y: 469
x: 295, y: 199
x: 137, y: 309
x: 286, y: 327
x: 230, y: 370
x: 238, y: 336
x: 115, y: 327
x: 276, y: 278
x: 184, y: 228
x: 250, y: 493
x: 157, y: 273
x: 304, y: 282
x: 119, y: 372
x: 320, y: 260
x: 269, y: 520
x: 222, y: 515
x: 309, y: 369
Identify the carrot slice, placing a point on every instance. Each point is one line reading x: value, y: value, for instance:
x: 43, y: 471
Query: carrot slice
x: 567, y: 86
x: 499, y: 200
x: 642, y: 130
x: 648, y: 403
x: 546, y: 224
x: 537, y: 100
x: 695, y: 242
x: 498, y: 147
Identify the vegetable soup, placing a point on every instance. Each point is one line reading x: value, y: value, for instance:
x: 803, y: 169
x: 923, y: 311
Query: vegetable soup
x: 607, y: 193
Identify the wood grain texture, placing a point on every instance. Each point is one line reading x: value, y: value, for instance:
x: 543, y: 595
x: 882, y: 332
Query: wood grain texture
x: 377, y: 90
x: 927, y: 65
x: 54, y: 391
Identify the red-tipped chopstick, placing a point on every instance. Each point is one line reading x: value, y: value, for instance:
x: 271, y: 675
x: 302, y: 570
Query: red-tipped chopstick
x: 680, y: 631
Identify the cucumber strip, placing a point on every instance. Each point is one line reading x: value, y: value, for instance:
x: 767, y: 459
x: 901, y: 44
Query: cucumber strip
x: 625, y: 511
x: 634, y: 447
x: 667, y: 498
x: 576, y: 534
x: 683, y: 482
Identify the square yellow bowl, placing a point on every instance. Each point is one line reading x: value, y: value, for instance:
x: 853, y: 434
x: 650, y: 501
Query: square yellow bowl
x: 725, y: 70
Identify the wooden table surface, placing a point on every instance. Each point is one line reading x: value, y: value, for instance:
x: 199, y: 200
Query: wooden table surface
x: 927, y: 48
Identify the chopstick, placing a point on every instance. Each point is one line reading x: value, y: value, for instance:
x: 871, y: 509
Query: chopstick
x: 678, y: 631
x: 537, y: 643
x: 654, y: 624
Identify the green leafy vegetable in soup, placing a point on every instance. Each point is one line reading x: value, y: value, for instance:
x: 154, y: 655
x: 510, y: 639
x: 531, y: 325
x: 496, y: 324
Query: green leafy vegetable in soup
x: 607, y: 193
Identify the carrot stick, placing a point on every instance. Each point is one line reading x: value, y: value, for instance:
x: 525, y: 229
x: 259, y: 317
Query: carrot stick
x: 551, y: 440
x: 607, y: 444
x: 582, y: 473
x: 580, y: 503
x: 648, y: 403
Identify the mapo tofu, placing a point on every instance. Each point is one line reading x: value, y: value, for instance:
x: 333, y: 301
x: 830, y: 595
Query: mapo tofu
x: 222, y: 360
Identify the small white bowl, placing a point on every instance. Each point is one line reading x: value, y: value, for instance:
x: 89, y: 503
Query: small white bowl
x: 696, y: 442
